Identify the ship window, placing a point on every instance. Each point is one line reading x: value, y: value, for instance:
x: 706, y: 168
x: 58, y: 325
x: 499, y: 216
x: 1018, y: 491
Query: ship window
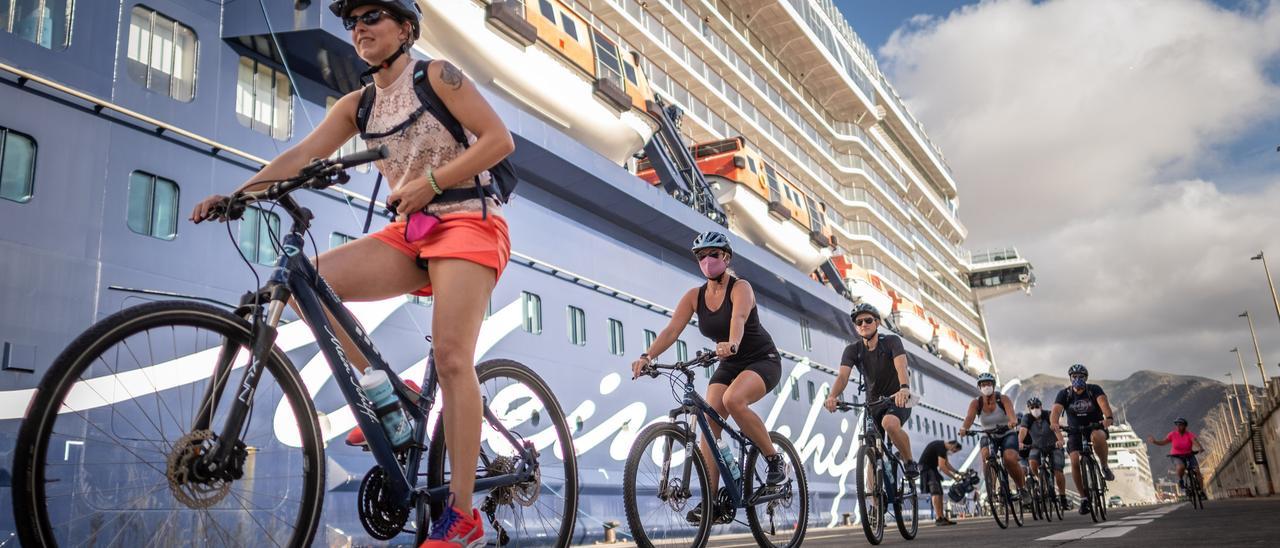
x: 649, y: 337
x: 570, y: 27
x: 153, y: 206
x: 795, y: 391
x: 17, y: 165
x: 264, y: 100
x: 532, y: 306
x: 258, y: 231
x: 806, y: 338
x: 162, y: 54
x: 682, y: 351
x: 631, y: 73
x: 607, y: 64
x: 813, y: 392
x: 46, y: 23
x: 751, y: 162
x: 337, y: 238
x: 420, y: 300
x: 353, y: 145
x: 771, y: 176
x: 617, y: 343
x: 547, y: 10
x: 577, y: 326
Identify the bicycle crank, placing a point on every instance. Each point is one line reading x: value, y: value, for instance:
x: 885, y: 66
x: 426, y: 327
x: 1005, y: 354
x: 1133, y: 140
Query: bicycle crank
x: 382, y: 519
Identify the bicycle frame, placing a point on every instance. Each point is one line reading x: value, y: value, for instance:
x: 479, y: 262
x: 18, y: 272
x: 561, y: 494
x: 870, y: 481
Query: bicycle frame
x: 295, y: 276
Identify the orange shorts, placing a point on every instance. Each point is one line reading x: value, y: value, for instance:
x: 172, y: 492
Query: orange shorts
x: 464, y: 236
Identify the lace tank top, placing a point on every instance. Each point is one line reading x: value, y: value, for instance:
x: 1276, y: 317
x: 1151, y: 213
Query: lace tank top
x: 424, y: 145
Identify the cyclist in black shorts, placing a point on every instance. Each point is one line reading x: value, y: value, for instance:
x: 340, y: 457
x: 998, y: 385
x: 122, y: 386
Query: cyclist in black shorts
x: 750, y: 365
x: 1044, y: 446
x: 933, y: 462
x: 883, y: 363
x: 1084, y: 404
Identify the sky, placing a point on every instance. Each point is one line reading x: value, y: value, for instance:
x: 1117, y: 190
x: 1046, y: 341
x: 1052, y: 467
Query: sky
x: 1127, y: 148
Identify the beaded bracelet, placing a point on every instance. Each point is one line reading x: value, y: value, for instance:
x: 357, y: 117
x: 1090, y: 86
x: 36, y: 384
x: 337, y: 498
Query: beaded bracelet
x: 431, y: 178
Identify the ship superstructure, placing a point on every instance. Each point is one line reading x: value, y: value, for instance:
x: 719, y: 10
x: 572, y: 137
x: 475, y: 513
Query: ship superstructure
x: 121, y: 115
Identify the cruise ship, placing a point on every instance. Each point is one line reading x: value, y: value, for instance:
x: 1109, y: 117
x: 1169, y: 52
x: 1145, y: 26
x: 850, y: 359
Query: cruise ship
x: 637, y: 125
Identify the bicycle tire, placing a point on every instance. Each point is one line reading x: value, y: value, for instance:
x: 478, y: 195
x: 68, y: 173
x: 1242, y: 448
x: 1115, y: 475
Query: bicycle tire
x: 1194, y: 492
x: 1033, y: 490
x: 800, y: 495
x: 1051, y: 505
x: 1101, y: 492
x: 1016, y: 507
x: 1090, y: 478
x: 994, y: 500
x: 871, y: 506
x: 908, y: 502
x: 33, y: 523
x: 537, y: 389
x: 630, y: 494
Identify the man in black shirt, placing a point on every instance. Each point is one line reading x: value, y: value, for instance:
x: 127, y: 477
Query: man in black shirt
x: 1084, y: 404
x: 882, y: 361
x: 1037, y: 435
x: 933, y: 461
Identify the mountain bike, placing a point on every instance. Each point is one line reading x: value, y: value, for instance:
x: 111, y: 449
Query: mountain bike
x: 1047, y: 486
x: 1035, y: 498
x: 996, y: 478
x: 1194, y: 483
x: 1095, y: 486
x: 882, y: 481
x: 667, y: 458
x: 142, y: 432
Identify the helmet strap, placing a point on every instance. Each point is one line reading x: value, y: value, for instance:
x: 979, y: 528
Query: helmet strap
x: 385, y: 63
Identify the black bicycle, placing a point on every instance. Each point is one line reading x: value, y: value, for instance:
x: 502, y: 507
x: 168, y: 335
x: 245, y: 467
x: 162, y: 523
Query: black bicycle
x: 1194, y: 483
x: 1046, y: 487
x: 138, y: 434
x: 882, y: 480
x: 1035, y: 500
x: 1095, y: 486
x: 996, y: 477
x: 665, y: 473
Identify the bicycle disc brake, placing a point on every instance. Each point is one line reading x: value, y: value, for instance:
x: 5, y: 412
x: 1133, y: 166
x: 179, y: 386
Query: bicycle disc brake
x: 380, y: 518
x: 190, y: 490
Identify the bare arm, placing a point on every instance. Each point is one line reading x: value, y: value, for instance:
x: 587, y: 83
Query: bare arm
x: 1053, y: 419
x: 1008, y: 410
x: 842, y: 380
x: 945, y: 464
x: 1160, y: 442
x: 968, y: 418
x: 679, y: 318
x: 744, y: 300
x: 1106, y: 410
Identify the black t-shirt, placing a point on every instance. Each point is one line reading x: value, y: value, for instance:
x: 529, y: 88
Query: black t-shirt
x: 1082, y: 408
x: 932, y: 452
x: 876, y: 365
x: 1039, y: 430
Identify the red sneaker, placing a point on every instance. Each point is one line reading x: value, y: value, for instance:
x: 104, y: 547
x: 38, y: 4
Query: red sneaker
x: 355, y: 438
x: 456, y: 530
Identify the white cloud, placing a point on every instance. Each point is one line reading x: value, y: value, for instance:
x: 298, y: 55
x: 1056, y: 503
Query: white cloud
x: 1077, y: 130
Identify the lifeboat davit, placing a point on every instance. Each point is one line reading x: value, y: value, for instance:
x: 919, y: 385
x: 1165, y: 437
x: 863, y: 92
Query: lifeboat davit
x: 554, y: 75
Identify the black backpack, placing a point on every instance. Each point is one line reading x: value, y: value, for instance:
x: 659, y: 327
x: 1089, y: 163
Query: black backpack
x: 503, y: 174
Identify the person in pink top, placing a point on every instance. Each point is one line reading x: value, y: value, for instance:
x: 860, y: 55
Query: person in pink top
x: 1185, y: 446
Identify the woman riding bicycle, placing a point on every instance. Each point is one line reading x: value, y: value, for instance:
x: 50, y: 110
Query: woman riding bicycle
x: 996, y: 410
x: 458, y: 261
x: 750, y: 365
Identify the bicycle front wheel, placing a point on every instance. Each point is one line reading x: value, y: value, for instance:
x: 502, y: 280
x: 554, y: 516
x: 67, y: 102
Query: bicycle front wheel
x: 665, y: 489
x: 782, y: 521
x: 542, y: 511
x: 906, y: 505
x: 995, y: 497
x: 110, y: 443
x: 871, y: 496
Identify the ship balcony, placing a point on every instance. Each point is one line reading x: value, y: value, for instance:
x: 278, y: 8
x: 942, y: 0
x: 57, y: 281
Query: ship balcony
x: 311, y: 40
x: 1000, y: 271
x: 903, y: 123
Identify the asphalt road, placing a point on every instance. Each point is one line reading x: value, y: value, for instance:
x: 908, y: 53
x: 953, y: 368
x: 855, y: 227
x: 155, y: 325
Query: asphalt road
x: 1236, y: 522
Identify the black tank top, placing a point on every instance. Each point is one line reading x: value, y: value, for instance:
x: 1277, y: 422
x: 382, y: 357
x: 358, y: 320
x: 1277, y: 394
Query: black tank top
x: 756, y: 343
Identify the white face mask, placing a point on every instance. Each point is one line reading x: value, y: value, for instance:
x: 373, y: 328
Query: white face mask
x: 1035, y: 413
x: 988, y: 390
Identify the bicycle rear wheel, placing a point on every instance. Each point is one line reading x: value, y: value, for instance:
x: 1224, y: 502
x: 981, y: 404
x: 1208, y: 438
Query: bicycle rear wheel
x: 1197, y: 497
x: 544, y: 510
x: 995, y: 501
x: 906, y: 507
x: 108, y: 447
x: 871, y: 496
x: 660, y: 490
x: 783, y: 521
x: 1015, y: 507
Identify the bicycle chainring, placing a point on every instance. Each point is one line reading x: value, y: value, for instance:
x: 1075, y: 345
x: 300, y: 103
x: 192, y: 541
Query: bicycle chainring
x: 725, y: 507
x: 193, y: 492
x: 382, y: 519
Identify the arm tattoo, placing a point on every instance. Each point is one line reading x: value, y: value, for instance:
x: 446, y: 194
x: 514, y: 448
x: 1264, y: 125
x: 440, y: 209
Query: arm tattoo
x: 450, y: 75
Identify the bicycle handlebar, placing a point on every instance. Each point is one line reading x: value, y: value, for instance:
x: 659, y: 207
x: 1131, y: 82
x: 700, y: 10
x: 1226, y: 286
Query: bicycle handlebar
x: 319, y: 174
x: 849, y: 406
x: 703, y: 359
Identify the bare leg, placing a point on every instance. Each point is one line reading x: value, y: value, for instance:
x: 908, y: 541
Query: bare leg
x: 1014, y: 467
x: 1075, y: 472
x: 901, y: 440
x: 747, y: 389
x: 715, y: 397
x: 1100, y: 447
x: 462, y: 290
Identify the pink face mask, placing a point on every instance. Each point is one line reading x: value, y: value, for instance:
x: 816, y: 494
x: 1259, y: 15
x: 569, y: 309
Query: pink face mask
x: 712, y: 267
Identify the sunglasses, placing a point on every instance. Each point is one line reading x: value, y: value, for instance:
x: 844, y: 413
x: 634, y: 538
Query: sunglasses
x: 369, y: 18
x: 714, y: 253
x: 864, y: 321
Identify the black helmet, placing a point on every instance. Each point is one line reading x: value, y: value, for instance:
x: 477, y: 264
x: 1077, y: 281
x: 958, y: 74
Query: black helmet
x: 406, y: 10
x: 864, y: 308
x: 1034, y: 402
x: 1078, y: 369
x: 711, y: 240
x: 1180, y: 420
